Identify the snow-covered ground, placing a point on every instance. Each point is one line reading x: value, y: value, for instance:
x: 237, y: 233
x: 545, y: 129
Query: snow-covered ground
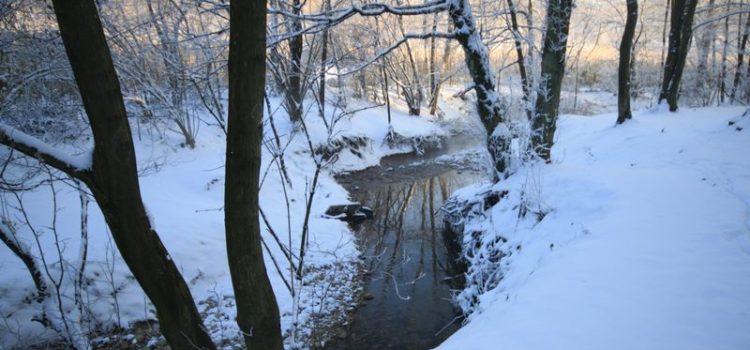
x: 644, y: 241
x: 183, y: 191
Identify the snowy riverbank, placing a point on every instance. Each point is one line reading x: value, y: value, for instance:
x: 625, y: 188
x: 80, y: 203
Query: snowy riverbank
x: 643, y: 243
x: 183, y: 191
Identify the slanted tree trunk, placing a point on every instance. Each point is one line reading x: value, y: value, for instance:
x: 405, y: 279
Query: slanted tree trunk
x: 112, y: 177
x: 680, y: 33
x: 488, y: 100
x: 23, y: 252
x: 257, y: 311
x: 553, y: 71
x: 623, y: 72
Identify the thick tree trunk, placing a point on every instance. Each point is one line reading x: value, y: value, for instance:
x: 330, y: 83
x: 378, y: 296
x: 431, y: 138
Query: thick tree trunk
x: 257, y: 311
x: 114, y: 182
x: 623, y: 72
x: 488, y: 100
x: 680, y: 33
x: 553, y: 71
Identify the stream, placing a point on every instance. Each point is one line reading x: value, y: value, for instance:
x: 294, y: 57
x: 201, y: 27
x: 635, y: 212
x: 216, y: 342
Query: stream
x: 409, y: 274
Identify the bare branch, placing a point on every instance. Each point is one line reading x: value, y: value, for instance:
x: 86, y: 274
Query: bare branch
x: 327, y: 19
x: 76, y: 166
x: 395, y: 45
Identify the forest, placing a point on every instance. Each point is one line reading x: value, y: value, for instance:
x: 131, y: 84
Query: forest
x: 365, y: 174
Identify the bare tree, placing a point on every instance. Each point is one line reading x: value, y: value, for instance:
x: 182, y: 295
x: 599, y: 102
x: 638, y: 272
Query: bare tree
x: 488, y: 100
x: 521, y: 62
x: 704, y: 49
x: 623, y: 72
x: 552, y: 73
x: 680, y: 34
x: 740, y: 59
x: 112, y: 177
x: 257, y: 311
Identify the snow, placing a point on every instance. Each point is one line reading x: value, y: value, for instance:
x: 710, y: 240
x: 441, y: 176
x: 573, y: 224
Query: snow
x: 373, y: 124
x: 183, y: 191
x: 79, y: 162
x: 645, y: 243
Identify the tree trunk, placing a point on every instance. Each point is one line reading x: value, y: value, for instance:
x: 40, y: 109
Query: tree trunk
x: 723, y: 74
x: 553, y: 71
x: 740, y: 60
x: 323, y: 64
x: 704, y: 46
x: 114, y: 182
x: 293, y: 91
x: 433, y: 64
x: 386, y: 96
x: 519, y: 56
x: 623, y: 72
x: 664, y: 38
x: 680, y: 33
x: 257, y: 311
x: 488, y: 100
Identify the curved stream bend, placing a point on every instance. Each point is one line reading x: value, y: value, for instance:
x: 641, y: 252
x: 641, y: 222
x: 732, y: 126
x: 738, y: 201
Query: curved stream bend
x: 408, y: 273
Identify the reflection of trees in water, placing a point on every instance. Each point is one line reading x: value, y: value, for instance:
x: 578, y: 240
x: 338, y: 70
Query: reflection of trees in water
x: 403, y: 247
x: 407, y: 211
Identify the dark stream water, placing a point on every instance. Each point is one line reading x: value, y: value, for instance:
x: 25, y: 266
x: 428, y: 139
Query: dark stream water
x: 410, y: 275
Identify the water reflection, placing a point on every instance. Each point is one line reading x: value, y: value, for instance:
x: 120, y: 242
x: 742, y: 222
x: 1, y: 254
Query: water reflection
x: 410, y: 275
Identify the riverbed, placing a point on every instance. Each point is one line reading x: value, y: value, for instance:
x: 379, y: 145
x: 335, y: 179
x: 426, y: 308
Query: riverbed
x: 409, y: 276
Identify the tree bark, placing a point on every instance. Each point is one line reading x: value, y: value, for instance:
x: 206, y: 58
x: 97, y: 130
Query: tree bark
x: 623, y: 72
x: 680, y: 33
x: 553, y: 71
x: 113, y: 179
x: 257, y: 311
x: 488, y: 100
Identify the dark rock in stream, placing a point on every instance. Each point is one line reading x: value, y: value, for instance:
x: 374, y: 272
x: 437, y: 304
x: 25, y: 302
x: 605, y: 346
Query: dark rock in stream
x: 353, y: 212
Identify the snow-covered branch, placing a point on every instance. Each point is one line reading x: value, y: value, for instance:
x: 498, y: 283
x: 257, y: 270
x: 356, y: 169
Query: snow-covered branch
x: 75, y: 166
x: 327, y: 19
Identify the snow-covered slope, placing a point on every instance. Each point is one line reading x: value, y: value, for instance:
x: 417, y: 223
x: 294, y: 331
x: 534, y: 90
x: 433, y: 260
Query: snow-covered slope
x: 183, y: 190
x: 645, y: 245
